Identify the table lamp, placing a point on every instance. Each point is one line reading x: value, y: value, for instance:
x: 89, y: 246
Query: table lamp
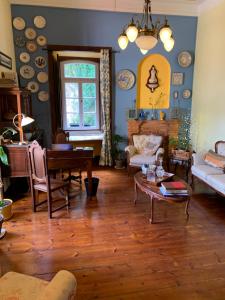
x: 22, y: 121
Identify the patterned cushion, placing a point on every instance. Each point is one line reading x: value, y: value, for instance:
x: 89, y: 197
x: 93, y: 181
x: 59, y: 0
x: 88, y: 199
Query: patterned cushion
x: 147, y: 143
x: 215, y: 160
x: 140, y: 159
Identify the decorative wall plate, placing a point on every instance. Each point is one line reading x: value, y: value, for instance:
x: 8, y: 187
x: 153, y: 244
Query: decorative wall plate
x: 39, y: 22
x: 24, y: 57
x: 40, y: 62
x: 43, y: 96
x: 186, y: 94
x: 27, y: 72
x: 42, y: 77
x: 184, y: 59
x: 41, y: 40
x: 19, y: 23
x: 125, y: 79
x: 30, y: 33
x: 33, y: 86
x: 20, y: 41
x: 31, y: 46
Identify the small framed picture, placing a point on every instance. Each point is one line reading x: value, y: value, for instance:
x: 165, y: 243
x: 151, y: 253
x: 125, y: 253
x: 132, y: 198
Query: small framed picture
x: 132, y: 114
x: 177, y: 78
x: 5, y: 61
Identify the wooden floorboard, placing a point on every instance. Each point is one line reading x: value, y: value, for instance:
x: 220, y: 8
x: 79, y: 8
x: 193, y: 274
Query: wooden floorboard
x: 113, y: 251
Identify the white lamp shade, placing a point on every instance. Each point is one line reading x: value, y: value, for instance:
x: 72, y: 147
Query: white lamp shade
x: 26, y: 120
x: 146, y: 42
x: 169, y: 44
x: 132, y: 33
x: 123, y: 41
x: 165, y: 33
x: 144, y: 51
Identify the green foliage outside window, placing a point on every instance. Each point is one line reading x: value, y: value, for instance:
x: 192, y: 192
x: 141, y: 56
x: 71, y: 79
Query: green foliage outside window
x: 79, y: 70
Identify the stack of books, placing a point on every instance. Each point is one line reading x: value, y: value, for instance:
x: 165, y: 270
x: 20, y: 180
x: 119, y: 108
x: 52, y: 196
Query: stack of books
x: 174, y: 188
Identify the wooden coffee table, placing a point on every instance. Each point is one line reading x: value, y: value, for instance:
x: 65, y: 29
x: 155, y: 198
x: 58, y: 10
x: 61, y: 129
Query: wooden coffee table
x: 154, y: 194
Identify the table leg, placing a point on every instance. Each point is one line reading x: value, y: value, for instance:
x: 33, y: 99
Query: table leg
x: 151, y: 209
x: 89, y: 175
x: 186, y: 208
x: 135, y: 193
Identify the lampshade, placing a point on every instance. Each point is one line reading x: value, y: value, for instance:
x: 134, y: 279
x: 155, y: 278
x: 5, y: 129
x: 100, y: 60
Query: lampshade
x: 146, y: 40
x: 26, y: 120
x: 144, y: 51
x: 165, y: 33
x: 169, y: 44
x: 132, y: 32
x: 123, y: 41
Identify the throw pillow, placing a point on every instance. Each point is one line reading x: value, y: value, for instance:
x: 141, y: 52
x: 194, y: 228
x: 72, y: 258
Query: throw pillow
x: 214, y: 159
x: 150, y: 149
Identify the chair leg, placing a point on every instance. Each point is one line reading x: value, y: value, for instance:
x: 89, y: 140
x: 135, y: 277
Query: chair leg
x: 33, y: 195
x: 49, y: 205
x: 80, y: 175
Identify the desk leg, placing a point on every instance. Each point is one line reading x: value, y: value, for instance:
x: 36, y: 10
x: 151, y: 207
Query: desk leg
x: 89, y: 175
x: 186, y: 208
x: 151, y: 210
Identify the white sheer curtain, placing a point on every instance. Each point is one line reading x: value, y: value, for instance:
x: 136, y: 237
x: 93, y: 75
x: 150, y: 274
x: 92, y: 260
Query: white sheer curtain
x: 105, y: 157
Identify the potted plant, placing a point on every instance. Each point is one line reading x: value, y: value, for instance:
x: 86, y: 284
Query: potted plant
x: 118, y: 155
x: 5, y: 204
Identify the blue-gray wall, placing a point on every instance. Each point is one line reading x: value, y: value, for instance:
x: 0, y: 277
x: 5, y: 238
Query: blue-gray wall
x: 96, y: 28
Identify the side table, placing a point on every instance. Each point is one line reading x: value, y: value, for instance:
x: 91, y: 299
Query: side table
x: 182, y: 161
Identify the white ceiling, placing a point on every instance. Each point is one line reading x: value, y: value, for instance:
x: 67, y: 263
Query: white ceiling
x: 168, y: 7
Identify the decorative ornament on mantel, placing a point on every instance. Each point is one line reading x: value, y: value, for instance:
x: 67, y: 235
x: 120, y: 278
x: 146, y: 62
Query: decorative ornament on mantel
x: 145, y: 33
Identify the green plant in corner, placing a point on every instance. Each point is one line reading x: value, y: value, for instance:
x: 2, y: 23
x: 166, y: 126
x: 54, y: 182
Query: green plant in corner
x: 118, y: 155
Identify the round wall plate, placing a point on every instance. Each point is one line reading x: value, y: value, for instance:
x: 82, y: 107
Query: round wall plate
x: 41, y: 40
x: 39, y: 22
x: 19, y: 23
x: 125, y: 79
x: 43, y: 96
x: 24, y: 57
x: 184, y: 59
x: 42, y: 77
x: 27, y: 72
x: 40, y: 62
x: 31, y: 46
x: 30, y: 33
x: 33, y: 86
x: 186, y: 94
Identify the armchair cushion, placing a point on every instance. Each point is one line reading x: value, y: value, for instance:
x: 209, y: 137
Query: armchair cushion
x: 139, y: 159
x: 214, y: 159
x: 131, y: 149
x: 144, y: 143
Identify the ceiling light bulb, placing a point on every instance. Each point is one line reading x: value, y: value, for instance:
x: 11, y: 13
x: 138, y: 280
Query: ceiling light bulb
x: 169, y: 44
x: 165, y: 33
x: 123, y: 41
x: 132, y: 31
x: 143, y: 51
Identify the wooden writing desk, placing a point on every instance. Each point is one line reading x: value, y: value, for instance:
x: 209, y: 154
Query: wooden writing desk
x: 74, y: 159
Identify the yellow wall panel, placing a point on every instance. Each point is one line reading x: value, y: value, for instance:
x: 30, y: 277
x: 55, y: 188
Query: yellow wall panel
x: 160, y: 97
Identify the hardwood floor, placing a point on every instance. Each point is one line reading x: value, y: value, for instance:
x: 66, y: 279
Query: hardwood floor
x: 114, y: 252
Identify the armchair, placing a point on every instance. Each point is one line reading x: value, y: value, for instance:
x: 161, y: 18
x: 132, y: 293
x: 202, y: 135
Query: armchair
x: 145, y: 149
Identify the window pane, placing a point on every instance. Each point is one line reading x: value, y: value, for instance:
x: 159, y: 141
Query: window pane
x: 79, y: 70
x: 89, y: 105
x: 72, y: 105
x: 71, y: 90
x: 89, y: 119
x: 88, y: 90
x: 73, y: 120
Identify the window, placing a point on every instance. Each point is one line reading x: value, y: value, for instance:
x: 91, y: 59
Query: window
x: 80, y: 95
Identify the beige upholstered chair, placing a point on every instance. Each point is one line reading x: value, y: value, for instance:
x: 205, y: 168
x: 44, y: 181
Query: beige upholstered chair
x: 145, y: 149
x: 18, y: 286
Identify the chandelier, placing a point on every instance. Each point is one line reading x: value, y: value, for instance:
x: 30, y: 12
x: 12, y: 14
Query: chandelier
x: 145, y: 33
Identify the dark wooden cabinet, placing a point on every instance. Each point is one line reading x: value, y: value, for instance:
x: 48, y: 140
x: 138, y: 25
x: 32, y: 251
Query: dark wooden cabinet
x: 18, y: 161
x: 14, y: 101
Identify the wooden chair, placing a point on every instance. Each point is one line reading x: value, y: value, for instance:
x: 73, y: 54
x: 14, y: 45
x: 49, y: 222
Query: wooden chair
x: 40, y: 180
x: 62, y: 138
